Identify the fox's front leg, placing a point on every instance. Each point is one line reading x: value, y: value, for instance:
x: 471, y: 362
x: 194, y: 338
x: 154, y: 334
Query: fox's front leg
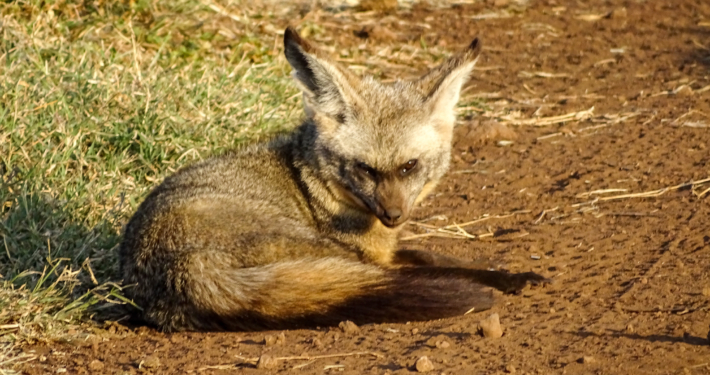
x: 501, y: 280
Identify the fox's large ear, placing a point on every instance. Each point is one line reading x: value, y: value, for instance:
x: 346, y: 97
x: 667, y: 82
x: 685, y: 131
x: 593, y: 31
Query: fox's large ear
x: 442, y: 85
x: 328, y: 89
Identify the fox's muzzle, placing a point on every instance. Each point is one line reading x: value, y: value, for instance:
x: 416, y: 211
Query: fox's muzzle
x: 391, y: 203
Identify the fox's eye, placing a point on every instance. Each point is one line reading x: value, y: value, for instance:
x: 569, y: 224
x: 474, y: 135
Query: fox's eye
x: 408, y: 166
x: 367, y: 169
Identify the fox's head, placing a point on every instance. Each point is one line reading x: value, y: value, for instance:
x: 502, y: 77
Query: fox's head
x: 381, y: 146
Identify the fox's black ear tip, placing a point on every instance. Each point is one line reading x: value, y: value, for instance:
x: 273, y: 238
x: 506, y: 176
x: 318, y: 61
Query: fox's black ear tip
x: 290, y: 34
x: 293, y: 39
x: 475, y: 44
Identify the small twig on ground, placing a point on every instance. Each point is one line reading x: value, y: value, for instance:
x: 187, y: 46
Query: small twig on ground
x: 526, y: 74
x: 544, y: 121
x: 302, y: 365
x: 635, y: 214
x: 700, y: 195
x: 680, y: 310
x: 548, y: 136
x: 254, y: 360
x: 456, y: 230
x: 655, y: 193
x: 601, y: 191
x: 544, y: 212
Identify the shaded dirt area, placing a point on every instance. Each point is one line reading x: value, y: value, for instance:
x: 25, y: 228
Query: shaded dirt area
x: 632, y: 275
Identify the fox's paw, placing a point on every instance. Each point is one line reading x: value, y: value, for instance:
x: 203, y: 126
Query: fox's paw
x: 518, y: 281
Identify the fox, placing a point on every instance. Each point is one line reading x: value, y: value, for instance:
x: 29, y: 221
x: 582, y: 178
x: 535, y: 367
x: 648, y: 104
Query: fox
x: 301, y: 230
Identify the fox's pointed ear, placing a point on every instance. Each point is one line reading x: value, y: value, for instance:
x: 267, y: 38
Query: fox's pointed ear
x: 328, y: 89
x: 442, y: 85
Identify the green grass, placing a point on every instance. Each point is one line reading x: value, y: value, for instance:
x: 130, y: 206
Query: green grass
x: 99, y: 101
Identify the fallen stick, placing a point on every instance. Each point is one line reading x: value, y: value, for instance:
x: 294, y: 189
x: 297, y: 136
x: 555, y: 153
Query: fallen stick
x: 544, y: 121
x: 255, y: 360
x: 655, y: 193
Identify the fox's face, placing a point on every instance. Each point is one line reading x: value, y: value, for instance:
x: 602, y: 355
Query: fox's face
x: 381, y: 147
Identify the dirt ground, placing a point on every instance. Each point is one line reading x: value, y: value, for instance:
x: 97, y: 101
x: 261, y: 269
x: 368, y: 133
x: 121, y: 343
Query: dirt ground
x: 631, y: 292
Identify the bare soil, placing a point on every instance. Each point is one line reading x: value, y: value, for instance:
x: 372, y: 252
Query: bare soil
x: 631, y: 292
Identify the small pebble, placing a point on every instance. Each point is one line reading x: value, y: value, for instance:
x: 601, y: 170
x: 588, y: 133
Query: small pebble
x: 685, y: 91
x: 349, y: 327
x: 316, y: 343
x: 586, y: 359
x: 706, y: 291
x: 490, y: 327
x: 442, y: 344
x: 535, y: 257
x: 269, y: 340
x: 630, y: 328
x: 96, y: 365
x: 266, y: 362
x: 424, y: 364
x: 503, y: 143
x: 280, y: 339
x: 618, y: 13
x: 95, y: 347
x: 150, y: 362
x: 415, y: 331
x: 510, y: 369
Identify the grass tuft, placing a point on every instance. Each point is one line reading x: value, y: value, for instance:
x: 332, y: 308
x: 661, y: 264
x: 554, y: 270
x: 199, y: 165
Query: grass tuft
x: 99, y: 102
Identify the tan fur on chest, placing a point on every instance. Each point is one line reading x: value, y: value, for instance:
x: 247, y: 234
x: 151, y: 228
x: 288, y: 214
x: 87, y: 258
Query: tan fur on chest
x: 379, y: 244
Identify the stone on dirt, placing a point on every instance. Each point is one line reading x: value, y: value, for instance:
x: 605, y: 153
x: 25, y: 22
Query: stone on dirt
x: 96, y: 365
x: 586, y: 359
x: 490, y: 327
x: 424, y: 364
x: 150, y: 362
x: 269, y: 340
x: 266, y: 362
x: 281, y: 338
x: 349, y: 327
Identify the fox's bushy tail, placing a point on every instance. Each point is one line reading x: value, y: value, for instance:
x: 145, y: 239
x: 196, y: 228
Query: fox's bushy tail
x: 316, y: 292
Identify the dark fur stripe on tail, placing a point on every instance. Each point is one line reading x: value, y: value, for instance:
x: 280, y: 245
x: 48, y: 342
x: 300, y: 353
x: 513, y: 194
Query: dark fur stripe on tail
x: 414, y: 294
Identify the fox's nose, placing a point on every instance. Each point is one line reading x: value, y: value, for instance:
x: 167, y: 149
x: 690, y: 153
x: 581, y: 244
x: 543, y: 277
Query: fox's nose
x: 393, y: 214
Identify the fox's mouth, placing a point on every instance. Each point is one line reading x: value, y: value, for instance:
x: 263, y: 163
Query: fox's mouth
x: 390, y: 223
x: 391, y: 218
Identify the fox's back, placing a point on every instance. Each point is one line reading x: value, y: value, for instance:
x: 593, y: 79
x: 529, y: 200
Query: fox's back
x: 221, y: 203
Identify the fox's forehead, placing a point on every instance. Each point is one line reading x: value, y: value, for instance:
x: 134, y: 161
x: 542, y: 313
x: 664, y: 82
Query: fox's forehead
x: 389, y: 151
x: 392, y: 127
x: 387, y: 146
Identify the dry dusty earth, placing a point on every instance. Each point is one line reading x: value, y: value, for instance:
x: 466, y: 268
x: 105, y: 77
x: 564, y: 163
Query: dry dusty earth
x: 632, y: 282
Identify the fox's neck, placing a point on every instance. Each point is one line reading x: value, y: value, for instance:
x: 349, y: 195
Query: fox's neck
x: 336, y: 213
